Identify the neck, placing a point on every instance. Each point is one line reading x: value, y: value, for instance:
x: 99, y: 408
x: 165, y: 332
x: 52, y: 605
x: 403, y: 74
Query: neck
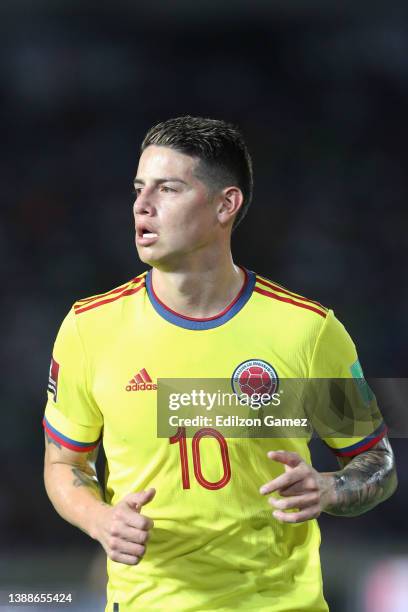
x: 201, y: 290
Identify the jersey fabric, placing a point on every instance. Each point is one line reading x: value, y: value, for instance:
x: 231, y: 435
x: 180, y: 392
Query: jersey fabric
x: 215, y: 543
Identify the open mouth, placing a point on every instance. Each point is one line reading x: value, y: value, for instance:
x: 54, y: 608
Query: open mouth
x: 145, y: 235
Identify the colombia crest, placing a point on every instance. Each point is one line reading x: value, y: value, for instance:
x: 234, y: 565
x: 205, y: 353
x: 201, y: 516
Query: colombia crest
x: 254, y: 376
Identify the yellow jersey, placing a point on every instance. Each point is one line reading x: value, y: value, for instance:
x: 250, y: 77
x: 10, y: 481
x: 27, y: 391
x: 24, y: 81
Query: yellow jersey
x: 215, y: 544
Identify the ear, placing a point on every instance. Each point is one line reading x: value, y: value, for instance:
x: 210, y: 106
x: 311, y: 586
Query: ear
x: 231, y: 200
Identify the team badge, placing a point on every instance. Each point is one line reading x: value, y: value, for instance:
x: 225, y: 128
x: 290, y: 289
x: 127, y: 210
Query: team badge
x: 254, y: 376
x: 53, y: 379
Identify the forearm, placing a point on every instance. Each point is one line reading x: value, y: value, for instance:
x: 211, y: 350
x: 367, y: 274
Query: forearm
x: 367, y: 480
x: 75, y: 494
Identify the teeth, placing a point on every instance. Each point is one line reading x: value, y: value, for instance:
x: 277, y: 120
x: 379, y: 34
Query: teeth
x: 149, y: 235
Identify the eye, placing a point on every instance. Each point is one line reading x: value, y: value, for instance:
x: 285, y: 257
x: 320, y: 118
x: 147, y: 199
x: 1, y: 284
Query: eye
x: 137, y: 191
x: 167, y: 189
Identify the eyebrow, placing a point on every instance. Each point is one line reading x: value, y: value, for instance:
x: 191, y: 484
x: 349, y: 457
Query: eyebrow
x: 167, y: 179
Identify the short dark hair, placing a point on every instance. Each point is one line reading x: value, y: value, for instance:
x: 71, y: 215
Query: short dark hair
x: 220, y: 147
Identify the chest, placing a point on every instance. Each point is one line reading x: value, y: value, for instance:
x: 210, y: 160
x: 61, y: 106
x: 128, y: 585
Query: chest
x: 130, y: 359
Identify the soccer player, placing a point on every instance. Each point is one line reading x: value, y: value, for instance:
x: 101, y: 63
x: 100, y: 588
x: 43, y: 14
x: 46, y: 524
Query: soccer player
x: 209, y: 522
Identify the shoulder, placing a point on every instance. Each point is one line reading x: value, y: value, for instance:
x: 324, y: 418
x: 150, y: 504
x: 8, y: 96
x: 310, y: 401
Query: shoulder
x: 272, y: 294
x: 289, y: 322
x: 96, y: 303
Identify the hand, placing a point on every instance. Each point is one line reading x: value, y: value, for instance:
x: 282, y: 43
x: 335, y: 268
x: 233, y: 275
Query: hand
x: 301, y: 487
x: 122, y: 530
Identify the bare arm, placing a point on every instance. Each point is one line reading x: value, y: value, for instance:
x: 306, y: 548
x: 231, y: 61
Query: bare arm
x: 73, y: 488
x: 72, y: 485
x: 364, y: 481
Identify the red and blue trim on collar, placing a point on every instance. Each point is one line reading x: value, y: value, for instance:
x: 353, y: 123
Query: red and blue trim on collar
x: 201, y: 324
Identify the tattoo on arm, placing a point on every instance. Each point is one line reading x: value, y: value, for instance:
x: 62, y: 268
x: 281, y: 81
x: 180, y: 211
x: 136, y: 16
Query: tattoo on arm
x: 85, y: 476
x: 365, y: 481
x: 85, y: 480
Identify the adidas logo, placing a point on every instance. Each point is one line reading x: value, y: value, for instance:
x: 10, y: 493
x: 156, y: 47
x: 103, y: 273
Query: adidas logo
x: 141, y: 382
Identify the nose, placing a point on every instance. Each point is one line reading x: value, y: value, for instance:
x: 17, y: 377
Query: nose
x: 143, y: 204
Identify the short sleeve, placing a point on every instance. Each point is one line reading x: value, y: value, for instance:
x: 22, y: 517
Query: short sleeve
x: 72, y: 417
x: 344, y: 411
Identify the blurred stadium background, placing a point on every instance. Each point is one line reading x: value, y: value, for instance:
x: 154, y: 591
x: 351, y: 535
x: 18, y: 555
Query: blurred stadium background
x: 321, y: 93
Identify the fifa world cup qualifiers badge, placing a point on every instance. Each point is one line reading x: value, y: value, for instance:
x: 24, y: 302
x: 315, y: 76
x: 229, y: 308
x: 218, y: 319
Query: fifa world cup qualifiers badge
x: 53, y: 379
x: 365, y: 391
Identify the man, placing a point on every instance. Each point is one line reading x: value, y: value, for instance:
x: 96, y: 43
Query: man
x: 208, y: 523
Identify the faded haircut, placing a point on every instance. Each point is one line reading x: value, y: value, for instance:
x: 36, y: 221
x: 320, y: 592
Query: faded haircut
x: 220, y: 147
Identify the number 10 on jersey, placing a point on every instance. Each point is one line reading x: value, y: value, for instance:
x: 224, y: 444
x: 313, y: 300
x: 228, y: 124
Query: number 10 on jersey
x: 180, y: 439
